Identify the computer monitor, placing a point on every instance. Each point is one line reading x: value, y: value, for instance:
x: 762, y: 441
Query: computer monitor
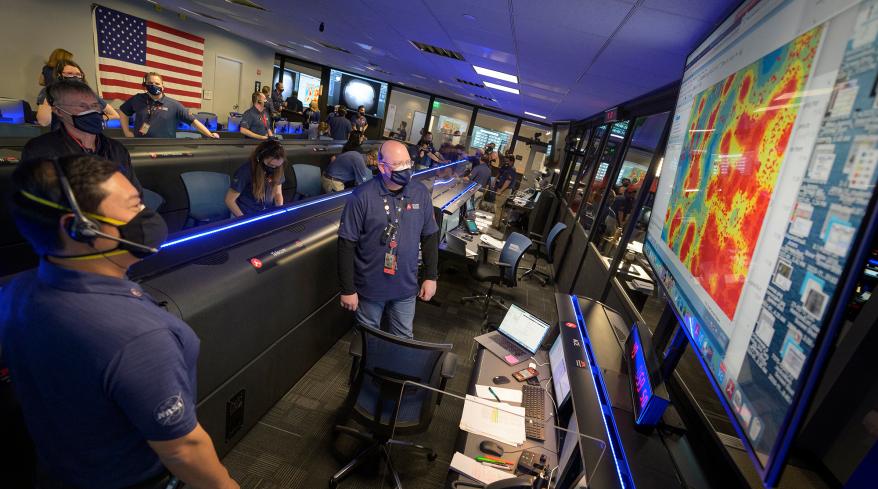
x: 11, y: 111
x: 523, y: 327
x: 352, y: 91
x: 754, y: 230
x: 560, y: 380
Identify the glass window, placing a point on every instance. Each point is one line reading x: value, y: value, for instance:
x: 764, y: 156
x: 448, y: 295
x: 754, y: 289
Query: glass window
x: 531, y: 148
x: 493, y: 128
x: 449, y: 122
x: 636, y: 276
x: 557, y: 150
x: 406, y: 114
x: 602, y: 179
x: 587, y: 156
x: 571, y: 162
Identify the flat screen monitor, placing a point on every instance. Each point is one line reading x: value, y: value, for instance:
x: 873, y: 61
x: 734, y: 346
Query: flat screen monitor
x: 352, y: 91
x: 766, y: 180
x: 523, y: 327
x: 560, y: 380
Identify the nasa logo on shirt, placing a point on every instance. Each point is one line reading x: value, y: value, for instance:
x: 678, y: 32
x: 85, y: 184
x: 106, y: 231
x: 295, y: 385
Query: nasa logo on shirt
x: 170, y: 411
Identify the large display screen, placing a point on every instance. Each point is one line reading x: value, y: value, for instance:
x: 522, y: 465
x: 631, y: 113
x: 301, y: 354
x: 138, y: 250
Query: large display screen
x: 353, y: 91
x: 767, y: 175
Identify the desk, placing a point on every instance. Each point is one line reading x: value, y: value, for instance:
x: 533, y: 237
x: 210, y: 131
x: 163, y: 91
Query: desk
x: 487, y: 367
x: 633, y: 271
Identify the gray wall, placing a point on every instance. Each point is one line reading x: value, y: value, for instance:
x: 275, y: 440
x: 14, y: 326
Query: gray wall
x: 33, y: 28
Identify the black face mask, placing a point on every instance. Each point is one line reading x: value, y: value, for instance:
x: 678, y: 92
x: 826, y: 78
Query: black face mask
x: 401, y: 177
x: 90, y: 122
x: 147, y: 228
x: 154, y: 90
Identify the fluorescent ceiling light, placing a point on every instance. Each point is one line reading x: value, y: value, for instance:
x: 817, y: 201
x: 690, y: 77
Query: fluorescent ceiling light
x: 535, y: 115
x: 501, y: 87
x: 422, y: 77
x: 496, y: 74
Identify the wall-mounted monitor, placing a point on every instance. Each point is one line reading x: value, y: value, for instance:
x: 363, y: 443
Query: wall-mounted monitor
x: 352, y: 91
x: 760, y: 211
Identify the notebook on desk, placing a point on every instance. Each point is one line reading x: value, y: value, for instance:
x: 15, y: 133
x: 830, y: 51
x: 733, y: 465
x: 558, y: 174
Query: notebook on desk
x: 518, y: 337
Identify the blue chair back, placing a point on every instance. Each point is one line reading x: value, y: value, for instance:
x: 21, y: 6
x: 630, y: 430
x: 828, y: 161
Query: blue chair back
x: 307, y: 180
x: 387, y: 362
x: 556, y: 230
x: 152, y: 199
x: 516, y: 246
x: 207, y: 195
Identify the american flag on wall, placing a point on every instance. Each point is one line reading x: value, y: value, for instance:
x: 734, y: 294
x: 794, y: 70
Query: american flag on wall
x: 128, y: 47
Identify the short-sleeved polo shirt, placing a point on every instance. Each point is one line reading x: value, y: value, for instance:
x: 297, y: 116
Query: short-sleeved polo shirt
x: 162, y: 115
x: 363, y: 221
x: 99, y: 368
x: 255, y: 121
x: 242, y: 183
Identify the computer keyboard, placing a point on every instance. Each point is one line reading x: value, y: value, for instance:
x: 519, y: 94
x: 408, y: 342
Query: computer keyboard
x: 534, y: 401
x: 512, y: 347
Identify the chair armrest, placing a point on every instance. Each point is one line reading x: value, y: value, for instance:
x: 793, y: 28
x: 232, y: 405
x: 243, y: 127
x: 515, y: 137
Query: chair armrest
x: 356, y: 352
x: 449, y: 369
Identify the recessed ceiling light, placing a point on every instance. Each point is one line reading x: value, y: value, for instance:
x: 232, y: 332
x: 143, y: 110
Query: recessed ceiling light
x: 496, y: 74
x: 469, y: 17
x: 501, y: 87
x: 538, y: 116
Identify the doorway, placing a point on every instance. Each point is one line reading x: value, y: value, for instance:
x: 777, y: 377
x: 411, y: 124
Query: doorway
x: 227, y: 88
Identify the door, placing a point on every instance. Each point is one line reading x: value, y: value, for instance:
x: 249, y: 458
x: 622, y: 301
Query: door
x: 417, y: 124
x: 227, y: 88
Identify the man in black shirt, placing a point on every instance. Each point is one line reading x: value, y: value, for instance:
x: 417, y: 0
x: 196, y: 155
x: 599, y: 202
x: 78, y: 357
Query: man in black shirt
x: 78, y: 109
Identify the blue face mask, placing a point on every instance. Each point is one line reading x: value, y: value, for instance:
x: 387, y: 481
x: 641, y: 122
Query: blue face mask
x: 154, y: 90
x: 401, y: 177
x: 91, y: 122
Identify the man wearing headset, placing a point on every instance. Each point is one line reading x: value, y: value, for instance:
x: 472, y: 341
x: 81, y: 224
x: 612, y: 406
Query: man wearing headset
x: 105, y: 377
x: 156, y: 114
x: 81, y: 132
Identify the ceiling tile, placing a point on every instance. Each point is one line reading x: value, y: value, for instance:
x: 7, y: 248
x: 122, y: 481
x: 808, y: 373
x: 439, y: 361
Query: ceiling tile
x: 663, y: 31
x: 600, y: 17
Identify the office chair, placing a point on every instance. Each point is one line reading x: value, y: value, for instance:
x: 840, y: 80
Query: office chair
x: 206, y: 191
x: 549, y: 244
x: 382, y: 364
x: 504, y: 272
x: 152, y: 199
x: 307, y: 180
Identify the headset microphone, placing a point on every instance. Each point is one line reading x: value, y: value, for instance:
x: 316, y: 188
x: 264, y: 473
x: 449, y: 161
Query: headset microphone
x: 117, y: 239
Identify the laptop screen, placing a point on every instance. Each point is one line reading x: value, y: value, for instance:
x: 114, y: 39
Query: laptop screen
x: 559, y: 371
x: 524, y: 328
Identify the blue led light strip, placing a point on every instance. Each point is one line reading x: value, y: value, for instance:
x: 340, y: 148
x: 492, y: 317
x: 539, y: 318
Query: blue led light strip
x: 443, y: 182
x: 260, y: 217
x: 470, y: 187
x: 619, y: 458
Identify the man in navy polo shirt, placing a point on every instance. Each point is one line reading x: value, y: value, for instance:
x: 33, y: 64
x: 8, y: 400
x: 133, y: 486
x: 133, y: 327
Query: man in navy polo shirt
x: 382, y: 225
x: 256, y: 121
x: 105, y: 377
x: 156, y: 114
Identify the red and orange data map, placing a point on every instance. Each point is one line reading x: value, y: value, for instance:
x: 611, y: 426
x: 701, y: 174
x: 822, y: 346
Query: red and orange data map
x: 738, y: 133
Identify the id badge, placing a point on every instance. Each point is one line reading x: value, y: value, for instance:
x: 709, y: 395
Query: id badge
x: 144, y: 128
x: 390, y: 264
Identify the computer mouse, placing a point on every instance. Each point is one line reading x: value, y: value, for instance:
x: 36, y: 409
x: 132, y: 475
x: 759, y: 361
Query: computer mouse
x: 500, y: 380
x: 491, y: 448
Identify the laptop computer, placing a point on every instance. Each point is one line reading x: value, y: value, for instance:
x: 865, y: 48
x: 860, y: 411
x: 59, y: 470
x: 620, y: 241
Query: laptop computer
x: 518, y: 337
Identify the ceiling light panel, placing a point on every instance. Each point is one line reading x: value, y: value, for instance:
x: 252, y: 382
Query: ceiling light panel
x: 496, y: 74
x: 501, y: 87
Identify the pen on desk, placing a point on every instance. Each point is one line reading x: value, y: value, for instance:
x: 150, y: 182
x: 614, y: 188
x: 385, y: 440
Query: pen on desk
x: 493, y: 460
x: 498, y: 459
x: 497, y: 466
x: 494, y: 394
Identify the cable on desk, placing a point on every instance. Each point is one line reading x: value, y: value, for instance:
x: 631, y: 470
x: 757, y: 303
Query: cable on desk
x: 538, y: 362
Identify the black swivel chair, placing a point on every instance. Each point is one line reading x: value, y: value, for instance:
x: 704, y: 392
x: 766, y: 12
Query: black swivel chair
x: 382, y: 364
x: 504, y: 272
x: 549, y: 245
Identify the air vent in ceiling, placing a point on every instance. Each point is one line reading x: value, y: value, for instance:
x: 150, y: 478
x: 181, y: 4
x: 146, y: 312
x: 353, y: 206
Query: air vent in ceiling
x: 472, y: 84
x: 484, y: 98
x: 332, y: 46
x: 247, y: 3
x: 427, y: 48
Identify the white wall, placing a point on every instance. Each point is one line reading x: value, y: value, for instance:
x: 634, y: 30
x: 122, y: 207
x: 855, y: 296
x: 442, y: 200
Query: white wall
x: 32, y: 29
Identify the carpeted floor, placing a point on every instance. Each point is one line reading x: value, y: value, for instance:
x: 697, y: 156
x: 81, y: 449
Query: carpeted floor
x: 291, y: 445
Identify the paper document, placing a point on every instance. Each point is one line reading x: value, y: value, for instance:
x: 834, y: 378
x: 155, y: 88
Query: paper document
x: 506, y: 395
x: 500, y: 421
x: 491, y: 241
x: 469, y: 467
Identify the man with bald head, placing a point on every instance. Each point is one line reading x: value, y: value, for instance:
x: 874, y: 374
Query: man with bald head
x: 382, y: 226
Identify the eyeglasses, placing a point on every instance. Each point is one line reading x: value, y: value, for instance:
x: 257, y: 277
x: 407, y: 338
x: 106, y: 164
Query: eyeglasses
x: 402, y: 165
x: 82, y: 108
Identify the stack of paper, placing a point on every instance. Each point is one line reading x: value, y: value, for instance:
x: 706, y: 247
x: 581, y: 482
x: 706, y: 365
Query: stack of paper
x: 491, y: 241
x: 497, y: 420
x: 476, y: 471
x: 505, y: 395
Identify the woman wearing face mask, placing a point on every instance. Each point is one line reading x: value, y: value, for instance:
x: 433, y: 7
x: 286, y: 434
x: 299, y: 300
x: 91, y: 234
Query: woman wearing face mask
x: 67, y: 70
x: 256, y: 186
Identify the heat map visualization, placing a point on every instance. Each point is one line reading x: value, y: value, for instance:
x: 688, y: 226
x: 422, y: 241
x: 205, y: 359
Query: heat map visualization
x: 737, y: 136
